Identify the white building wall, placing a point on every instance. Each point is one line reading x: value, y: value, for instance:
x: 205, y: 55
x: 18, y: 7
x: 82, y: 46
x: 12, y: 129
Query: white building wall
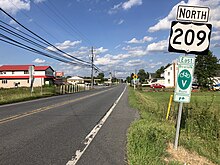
x: 24, y: 82
x: 170, y: 75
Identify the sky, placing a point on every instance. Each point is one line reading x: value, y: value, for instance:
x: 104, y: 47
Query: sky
x: 127, y: 35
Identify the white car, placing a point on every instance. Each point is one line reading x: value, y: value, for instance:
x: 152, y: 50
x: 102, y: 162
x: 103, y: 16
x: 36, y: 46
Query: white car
x: 216, y: 87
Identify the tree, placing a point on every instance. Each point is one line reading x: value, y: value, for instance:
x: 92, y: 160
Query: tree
x: 101, y: 76
x: 206, y: 67
x: 161, y: 70
x: 142, y: 75
x: 128, y: 79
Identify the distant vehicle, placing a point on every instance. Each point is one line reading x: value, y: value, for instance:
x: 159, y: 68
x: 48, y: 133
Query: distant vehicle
x: 195, y: 86
x: 216, y: 87
x: 157, y: 86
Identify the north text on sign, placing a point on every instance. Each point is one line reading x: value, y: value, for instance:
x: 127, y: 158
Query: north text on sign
x: 193, y: 13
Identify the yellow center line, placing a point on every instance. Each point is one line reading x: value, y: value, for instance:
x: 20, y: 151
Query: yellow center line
x: 18, y: 116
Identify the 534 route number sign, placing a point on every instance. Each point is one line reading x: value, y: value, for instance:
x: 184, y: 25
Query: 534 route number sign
x: 190, y: 38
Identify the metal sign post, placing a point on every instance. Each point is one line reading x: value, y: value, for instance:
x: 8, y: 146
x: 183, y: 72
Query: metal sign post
x: 135, y: 80
x: 190, y: 38
x: 183, y: 88
x: 178, y: 125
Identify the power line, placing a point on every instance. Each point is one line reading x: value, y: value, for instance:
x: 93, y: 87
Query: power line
x: 30, y: 41
x: 20, y: 45
x: 44, y: 41
x: 67, y: 22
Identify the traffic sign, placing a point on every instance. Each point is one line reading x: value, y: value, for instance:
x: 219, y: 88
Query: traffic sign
x: 188, y: 37
x: 135, y: 77
x: 192, y: 13
x: 184, y: 79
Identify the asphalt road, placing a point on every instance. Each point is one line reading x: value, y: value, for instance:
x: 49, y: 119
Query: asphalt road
x: 49, y: 131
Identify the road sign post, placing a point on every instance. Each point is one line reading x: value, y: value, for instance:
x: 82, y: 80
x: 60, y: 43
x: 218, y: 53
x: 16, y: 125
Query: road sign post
x: 189, y: 38
x: 135, y: 77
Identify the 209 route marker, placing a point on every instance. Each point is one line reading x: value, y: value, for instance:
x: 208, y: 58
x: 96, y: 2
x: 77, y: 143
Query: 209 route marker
x: 188, y: 37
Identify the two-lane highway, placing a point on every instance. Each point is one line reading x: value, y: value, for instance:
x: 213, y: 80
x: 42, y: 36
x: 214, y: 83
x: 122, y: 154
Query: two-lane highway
x: 50, y: 130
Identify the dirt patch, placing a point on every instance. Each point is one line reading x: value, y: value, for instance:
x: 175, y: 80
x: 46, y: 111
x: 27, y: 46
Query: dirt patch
x: 186, y: 157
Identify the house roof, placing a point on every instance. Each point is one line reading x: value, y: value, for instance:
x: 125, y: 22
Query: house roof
x: 75, y: 78
x: 22, y: 67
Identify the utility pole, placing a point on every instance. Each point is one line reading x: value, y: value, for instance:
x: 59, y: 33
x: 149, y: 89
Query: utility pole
x: 92, y: 61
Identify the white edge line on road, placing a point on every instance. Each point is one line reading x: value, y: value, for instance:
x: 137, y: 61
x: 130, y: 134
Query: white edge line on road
x: 92, y: 134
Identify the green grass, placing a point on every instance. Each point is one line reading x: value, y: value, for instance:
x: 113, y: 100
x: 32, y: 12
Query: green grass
x: 200, y: 126
x: 22, y: 94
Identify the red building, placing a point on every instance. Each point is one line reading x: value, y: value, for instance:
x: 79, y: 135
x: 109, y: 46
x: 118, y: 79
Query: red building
x: 19, y: 76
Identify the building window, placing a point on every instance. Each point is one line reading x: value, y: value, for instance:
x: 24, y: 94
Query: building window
x: 3, y: 72
x: 171, y: 68
x: 26, y: 72
x: 168, y: 73
x: 4, y: 81
x: 13, y: 72
x: 168, y: 81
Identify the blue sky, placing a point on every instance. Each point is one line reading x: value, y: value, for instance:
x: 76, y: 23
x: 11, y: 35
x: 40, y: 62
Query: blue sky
x: 127, y: 35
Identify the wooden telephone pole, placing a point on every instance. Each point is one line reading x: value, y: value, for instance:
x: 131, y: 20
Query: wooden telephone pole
x: 92, y: 61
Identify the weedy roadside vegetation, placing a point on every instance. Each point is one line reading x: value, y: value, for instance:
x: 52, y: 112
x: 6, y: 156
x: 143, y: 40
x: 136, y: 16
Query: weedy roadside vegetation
x: 149, y: 136
x: 19, y: 94
x: 23, y: 94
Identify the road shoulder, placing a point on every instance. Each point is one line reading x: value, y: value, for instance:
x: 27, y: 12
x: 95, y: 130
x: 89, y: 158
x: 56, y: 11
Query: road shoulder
x: 109, y: 146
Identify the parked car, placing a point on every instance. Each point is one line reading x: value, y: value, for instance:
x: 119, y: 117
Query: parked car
x: 195, y: 86
x: 157, y: 86
x: 216, y: 87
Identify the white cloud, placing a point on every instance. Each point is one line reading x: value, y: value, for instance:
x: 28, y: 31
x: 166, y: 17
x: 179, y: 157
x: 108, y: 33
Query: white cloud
x: 125, y: 6
x: 115, y: 8
x: 137, y: 51
x: 13, y: 6
x: 214, y: 6
x: 132, y: 63
x: 216, y: 45
x: 100, y: 50
x: 39, y: 61
x: 153, y: 65
x: 65, y: 45
x: 135, y: 41
x: 39, y: 1
x: 120, y: 22
x: 160, y: 46
x: 106, y: 60
x: 130, y: 3
x: 121, y: 56
x: 117, y: 46
x: 215, y: 35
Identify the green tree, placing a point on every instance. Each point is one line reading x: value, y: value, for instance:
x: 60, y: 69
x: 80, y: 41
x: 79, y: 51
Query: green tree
x: 142, y: 75
x: 128, y: 79
x: 159, y: 72
x: 206, y: 67
x: 101, y: 76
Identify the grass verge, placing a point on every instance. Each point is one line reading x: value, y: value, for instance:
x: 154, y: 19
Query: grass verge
x: 148, y: 137
x: 8, y: 96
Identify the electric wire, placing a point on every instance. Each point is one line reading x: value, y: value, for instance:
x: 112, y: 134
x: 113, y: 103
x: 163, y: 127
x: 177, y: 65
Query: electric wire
x: 67, y: 22
x: 18, y: 44
x: 44, y: 41
x: 29, y: 41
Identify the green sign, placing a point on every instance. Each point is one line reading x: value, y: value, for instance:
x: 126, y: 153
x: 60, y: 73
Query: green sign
x: 184, y: 79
